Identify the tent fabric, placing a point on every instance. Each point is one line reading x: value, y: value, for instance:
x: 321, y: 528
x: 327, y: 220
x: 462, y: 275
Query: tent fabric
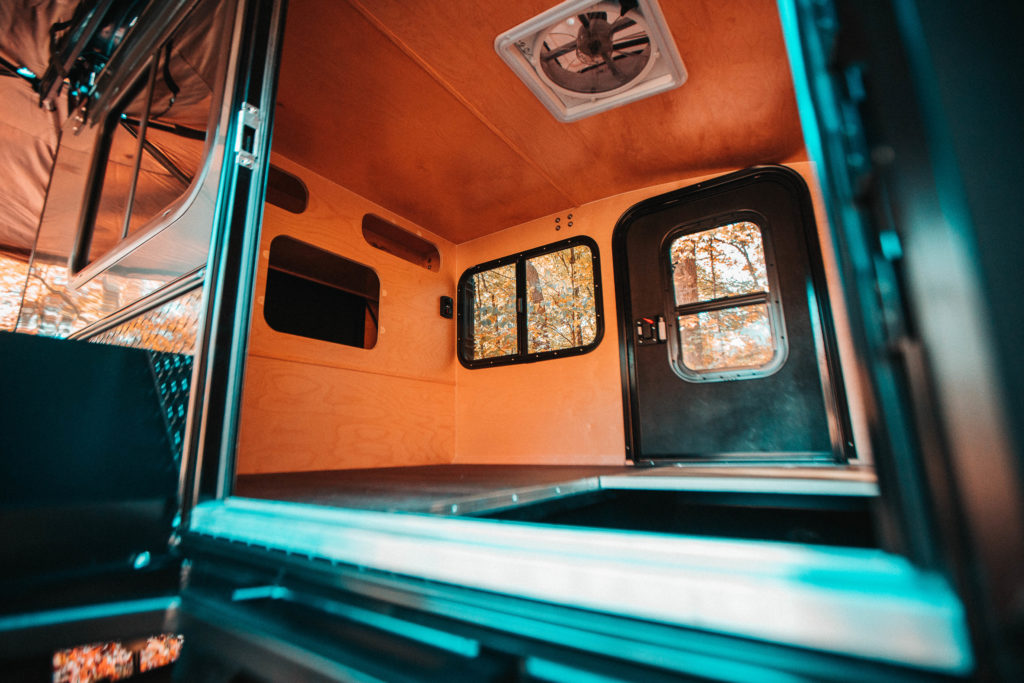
x: 28, y: 134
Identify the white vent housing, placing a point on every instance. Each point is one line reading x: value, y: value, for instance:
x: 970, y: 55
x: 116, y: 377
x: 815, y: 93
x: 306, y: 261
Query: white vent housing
x: 584, y: 57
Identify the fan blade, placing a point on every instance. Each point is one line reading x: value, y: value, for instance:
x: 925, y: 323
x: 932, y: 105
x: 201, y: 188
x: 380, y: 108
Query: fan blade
x: 610, y: 61
x: 631, y: 42
x: 560, y: 51
x: 621, y: 23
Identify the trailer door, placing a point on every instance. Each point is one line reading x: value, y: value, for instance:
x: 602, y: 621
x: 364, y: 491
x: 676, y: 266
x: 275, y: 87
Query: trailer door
x: 100, y: 445
x: 727, y: 347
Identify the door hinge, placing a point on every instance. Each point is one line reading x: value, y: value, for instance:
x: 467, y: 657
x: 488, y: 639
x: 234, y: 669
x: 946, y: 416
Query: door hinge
x: 247, y: 148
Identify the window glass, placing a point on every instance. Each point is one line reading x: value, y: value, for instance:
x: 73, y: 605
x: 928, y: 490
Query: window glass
x: 724, y: 261
x: 561, y: 312
x: 728, y: 321
x: 119, y: 172
x: 735, y: 337
x: 169, y: 163
x: 156, y: 136
x: 494, y: 313
x: 552, y: 293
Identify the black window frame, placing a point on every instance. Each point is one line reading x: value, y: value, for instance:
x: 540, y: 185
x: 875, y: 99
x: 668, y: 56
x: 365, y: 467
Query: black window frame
x: 465, y: 336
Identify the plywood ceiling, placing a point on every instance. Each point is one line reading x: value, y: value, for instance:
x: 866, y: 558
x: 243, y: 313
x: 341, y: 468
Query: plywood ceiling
x: 410, y: 107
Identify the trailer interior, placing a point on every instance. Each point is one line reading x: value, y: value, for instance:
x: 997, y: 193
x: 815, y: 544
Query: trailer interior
x: 435, y: 140
x: 487, y: 373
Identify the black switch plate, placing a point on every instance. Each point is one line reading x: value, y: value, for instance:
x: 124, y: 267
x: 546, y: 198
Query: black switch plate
x: 447, y: 307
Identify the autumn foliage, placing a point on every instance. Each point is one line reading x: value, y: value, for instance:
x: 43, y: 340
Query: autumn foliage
x: 560, y: 306
x: 710, y: 270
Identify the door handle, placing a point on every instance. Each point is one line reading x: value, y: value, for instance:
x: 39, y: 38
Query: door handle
x: 650, y: 330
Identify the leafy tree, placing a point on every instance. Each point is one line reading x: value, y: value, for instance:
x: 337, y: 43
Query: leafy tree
x: 561, y: 311
x: 494, y: 313
x: 714, y: 266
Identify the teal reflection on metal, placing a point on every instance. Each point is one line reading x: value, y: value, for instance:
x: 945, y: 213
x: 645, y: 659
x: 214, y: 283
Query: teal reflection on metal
x: 552, y: 671
x: 104, y: 610
x: 857, y: 602
x: 801, y: 81
x: 465, y: 647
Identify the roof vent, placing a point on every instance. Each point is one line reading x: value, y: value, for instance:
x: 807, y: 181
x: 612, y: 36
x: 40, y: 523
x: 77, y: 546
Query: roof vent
x: 583, y: 57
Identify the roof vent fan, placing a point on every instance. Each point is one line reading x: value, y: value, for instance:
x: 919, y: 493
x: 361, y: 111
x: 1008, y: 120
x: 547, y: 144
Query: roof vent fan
x: 582, y: 57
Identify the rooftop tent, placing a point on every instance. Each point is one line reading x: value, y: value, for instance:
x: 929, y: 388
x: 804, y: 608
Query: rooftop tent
x: 28, y: 133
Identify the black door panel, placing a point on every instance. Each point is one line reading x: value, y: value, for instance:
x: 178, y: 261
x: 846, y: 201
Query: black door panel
x: 788, y: 411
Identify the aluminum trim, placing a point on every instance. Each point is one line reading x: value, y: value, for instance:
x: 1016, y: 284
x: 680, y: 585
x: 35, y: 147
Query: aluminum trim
x: 509, y: 498
x: 862, y: 603
x: 734, y: 484
x: 165, y: 294
x: 57, y: 617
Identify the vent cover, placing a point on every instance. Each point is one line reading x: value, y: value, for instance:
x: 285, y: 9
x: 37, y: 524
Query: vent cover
x: 582, y: 57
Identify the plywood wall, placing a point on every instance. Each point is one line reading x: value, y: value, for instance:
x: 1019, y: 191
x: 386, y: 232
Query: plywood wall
x: 569, y: 411
x: 313, y: 405
x: 566, y: 411
x: 310, y: 405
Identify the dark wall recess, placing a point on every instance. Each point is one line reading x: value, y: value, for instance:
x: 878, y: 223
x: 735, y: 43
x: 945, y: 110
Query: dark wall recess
x: 314, y: 293
x: 286, y: 191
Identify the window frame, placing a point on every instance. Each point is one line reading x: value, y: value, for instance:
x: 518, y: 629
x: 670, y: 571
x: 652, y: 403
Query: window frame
x: 519, y: 259
x: 772, y: 299
x: 104, y: 114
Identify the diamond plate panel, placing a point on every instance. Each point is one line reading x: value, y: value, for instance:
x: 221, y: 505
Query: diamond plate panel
x: 170, y: 328
x: 168, y: 333
x: 172, y: 374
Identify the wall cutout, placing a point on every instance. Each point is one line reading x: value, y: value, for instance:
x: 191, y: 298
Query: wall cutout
x: 314, y: 293
x: 399, y: 242
x: 286, y: 191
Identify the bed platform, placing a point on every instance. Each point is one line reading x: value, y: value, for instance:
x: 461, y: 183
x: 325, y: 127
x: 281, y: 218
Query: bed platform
x: 796, y: 504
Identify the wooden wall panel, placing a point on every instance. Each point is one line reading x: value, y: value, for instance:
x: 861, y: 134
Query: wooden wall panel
x: 413, y: 339
x: 356, y: 109
x: 300, y: 417
x: 565, y: 411
x: 311, y: 404
x: 569, y: 411
x: 414, y: 110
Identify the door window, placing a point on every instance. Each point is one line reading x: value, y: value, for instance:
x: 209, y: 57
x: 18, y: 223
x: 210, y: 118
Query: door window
x: 728, y: 324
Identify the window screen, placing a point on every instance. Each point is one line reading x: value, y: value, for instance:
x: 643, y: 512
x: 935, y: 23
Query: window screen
x: 543, y: 303
x: 728, y: 318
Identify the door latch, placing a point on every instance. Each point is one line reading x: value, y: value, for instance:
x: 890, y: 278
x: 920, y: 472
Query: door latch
x: 247, y: 151
x: 651, y: 330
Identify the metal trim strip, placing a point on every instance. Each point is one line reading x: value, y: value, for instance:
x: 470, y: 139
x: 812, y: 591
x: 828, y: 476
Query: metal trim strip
x: 862, y: 603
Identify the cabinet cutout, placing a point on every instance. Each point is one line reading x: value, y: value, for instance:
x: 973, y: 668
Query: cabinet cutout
x: 316, y: 294
x: 387, y: 236
x: 286, y: 191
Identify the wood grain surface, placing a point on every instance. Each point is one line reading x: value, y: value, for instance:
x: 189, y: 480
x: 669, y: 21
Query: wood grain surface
x: 413, y: 109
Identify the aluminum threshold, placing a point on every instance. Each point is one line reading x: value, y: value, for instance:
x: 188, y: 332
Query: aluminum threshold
x: 849, y: 601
